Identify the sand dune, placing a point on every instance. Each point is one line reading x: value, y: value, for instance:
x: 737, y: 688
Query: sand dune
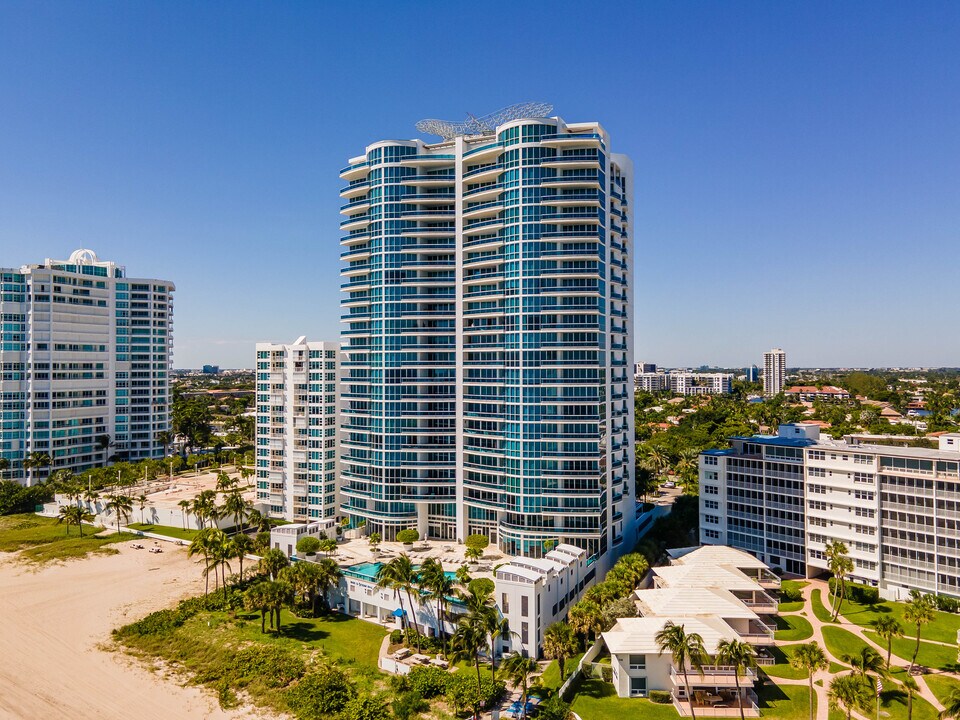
x: 54, y: 620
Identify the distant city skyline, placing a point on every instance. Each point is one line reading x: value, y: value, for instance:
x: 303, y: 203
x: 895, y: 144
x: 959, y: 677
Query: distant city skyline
x: 797, y: 168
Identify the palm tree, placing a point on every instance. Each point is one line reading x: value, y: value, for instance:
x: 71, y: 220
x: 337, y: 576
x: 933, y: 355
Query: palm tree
x: 103, y: 444
x: 840, y: 564
x: 185, y: 509
x: 74, y: 515
x: 951, y: 705
x: 165, y: 438
x: 224, y: 482
x: 888, y: 629
x: 519, y: 669
x: 35, y: 460
x: 4, y: 466
x: 279, y: 594
x: 201, y: 546
x: 559, y: 643
x: 121, y: 505
x: 468, y: 642
x: 242, y: 546
x: 586, y: 618
x: 398, y: 574
x: 258, y: 520
x: 142, y: 502
x: 848, y: 693
x: 741, y: 656
x: 810, y: 657
x: 864, y: 662
x: 329, y: 577
x: 435, y: 580
x: 911, y: 688
x: 918, y: 612
x: 684, y: 648
x: 91, y: 496
x: 303, y: 578
x: 272, y: 562
x: 235, y: 505
x: 255, y: 598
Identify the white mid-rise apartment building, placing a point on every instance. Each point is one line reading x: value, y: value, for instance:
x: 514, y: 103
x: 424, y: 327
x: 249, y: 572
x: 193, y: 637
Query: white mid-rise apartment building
x: 85, y: 355
x: 488, y: 339
x: 297, y: 420
x: 651, y: 382
x: 695, y: 383
x: 774, y: 372
x: 895, y: 507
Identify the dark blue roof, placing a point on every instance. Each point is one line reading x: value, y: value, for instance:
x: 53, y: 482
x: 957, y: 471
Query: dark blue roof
x: 728, y: 451
x: 777, y: 440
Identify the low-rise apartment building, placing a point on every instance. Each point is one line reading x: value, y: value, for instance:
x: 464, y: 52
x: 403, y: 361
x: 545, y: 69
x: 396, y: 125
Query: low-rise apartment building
x: 809, y: 393
x: 721, y: 594
x: 895, y: 507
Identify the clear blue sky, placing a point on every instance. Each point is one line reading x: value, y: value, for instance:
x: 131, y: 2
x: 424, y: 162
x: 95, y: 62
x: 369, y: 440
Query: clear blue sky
x: 797, y: 164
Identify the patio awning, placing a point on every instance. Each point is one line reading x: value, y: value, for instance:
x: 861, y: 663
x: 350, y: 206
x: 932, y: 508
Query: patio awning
x: 399, y: 612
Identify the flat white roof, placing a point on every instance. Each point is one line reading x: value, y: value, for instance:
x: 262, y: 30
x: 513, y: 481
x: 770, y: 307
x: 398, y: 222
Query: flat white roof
x: 715, y: 555
x: 705, y: 576
x: 679, y: 601
x: 637, y: 635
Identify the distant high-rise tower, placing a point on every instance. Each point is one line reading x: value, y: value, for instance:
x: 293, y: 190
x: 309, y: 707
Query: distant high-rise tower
x: 85, y: 353
x: 774, y: 371
x: 752, y: 373
x: 488, y: 302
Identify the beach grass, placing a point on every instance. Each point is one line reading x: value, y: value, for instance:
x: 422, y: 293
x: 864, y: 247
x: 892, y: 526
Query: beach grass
x: 167, y: 530
x: 42, y: 540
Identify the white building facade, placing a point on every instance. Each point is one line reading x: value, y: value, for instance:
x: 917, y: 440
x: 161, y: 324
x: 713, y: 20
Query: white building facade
x: 651, y: 382
x: 897, y: 509
x: 774, y: 372
x: 297, y: 454
x: 691, y: 383
x: 85, y: 359
x: 488, y: 338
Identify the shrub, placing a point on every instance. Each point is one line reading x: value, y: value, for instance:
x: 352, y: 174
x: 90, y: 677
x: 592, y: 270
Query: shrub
x: 554, y: 708
x: 863, y: 594
x: 947, y: 604
x: 409, y: 705
x: 462, y: 691
x: 272, y: 665
x: 308, y: 545
x: 410, y: 535
x: 160, y: 622
x: 366, y: 707
x: 661, y: 697
x: 320, y: 694
x: 791, y: 594
x: 428, y: 681
x: 396, y: 637
x: 481, y: 586
x: 478, y: 541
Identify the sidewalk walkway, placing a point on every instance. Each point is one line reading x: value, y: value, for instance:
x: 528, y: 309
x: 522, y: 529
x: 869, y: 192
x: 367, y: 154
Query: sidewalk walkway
x: 818, y: 625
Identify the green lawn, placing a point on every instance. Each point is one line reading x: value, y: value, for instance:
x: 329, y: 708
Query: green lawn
x: 782, y: 668
x: 943, y: 629
x: 941, y: 685
x: 943, y: 657
x: 41, y: 539
x: 168, y: 530
x: 597, y: 700
x: 821, y: 612
x: 793, y: 627
x: 551, y: 676
x: 785, y: 702
x: 893, y: 701
x: 788, y: 607
x: 842, y: 642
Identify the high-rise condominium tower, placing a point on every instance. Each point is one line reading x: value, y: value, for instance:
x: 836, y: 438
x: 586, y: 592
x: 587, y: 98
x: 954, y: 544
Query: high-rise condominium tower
x: 774, y: 371
x: 488, y: 349
x: 85, y: 354
x: 297, y: 403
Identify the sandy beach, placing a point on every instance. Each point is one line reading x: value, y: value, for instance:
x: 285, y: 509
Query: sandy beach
x: 55, y: 618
